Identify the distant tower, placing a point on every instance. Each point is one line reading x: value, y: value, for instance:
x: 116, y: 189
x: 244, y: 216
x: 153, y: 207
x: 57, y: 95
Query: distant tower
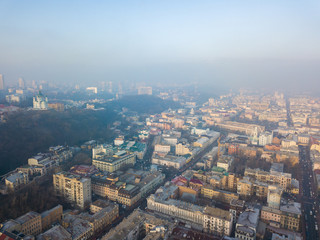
x: 120, y: 91
x: 109, y: 85
x: 211, y: 102
x: 255, y: 136
x: 21, y: 83
x: 1, y: 82
x: 34, y: 84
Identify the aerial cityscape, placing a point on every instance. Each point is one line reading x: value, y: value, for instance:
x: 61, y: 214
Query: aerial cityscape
x: 167, y: 120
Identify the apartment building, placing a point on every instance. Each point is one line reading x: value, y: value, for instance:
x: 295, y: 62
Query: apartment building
x: 128, y: 188
x: 241, y: 127
x: 245, y: 188
x: 176, y: 208
x: 163, y: 148
x: 208, y: 191
x: 212, y: 220
x: 282, y: 179
x: 246, y: 227
x: 169, y: 160
x: 103, y: 214
x: 51, y: 216
x: 217, y: 221
x: 225, y: 162
x: 74, y: 188
x: 114, y: 162
x: 16, y: 180
x: 236, y: 208
x: 30, y: 223
x: 287, y: 217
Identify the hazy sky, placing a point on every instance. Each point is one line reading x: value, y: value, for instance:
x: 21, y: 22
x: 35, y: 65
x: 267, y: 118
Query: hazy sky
x: 225, y: 42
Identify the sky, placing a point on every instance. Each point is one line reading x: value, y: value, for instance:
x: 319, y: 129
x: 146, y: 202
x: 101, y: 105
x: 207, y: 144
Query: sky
x: 229, y: 43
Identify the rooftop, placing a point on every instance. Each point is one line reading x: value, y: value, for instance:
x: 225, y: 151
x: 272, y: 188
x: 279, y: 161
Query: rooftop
x: 77, y: 226
x: 291, y: 207
x: 27, y: 217
x: 218, y: 213
x: 45, y: 213
x: 133, y: 221
x: 14, y: 177
x: 249, y: 218
x: 57, y: 232
x: 237, y: 202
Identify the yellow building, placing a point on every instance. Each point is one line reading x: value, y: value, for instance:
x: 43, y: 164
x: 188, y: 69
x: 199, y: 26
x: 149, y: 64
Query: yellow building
x: 217, y: 221
x: 51, y: 216
x: 288, y: 217
x: 207, y: 191
x: 16, y: 180
x: 30, y: 223
x: 245, y: 188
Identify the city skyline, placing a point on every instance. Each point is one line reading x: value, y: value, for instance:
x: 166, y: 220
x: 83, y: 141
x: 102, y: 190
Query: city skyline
x: 223, y: 44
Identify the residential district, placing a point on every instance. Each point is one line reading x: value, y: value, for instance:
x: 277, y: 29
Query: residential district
x: 239, y: 166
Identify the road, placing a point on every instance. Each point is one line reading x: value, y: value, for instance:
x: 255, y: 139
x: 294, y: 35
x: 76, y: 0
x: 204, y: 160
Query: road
x: 309, y: 203
x: 289, y: 119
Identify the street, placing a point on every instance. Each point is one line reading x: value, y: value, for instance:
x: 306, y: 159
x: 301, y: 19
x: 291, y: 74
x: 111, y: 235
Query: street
x: 309, y: 204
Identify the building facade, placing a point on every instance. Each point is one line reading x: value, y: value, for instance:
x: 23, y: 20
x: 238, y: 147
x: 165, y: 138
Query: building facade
x: 73, y: 187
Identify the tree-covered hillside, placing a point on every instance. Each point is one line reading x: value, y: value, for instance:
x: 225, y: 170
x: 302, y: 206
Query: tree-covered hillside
x: 27, y: 133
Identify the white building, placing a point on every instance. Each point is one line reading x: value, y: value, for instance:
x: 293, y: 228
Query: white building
x: 1, y: 82
x: 92, y: 90
x: 177, y: 209
x: 265, y: 138
x: 169, y: 161
x: 162, y: 148
x: 101, y: 151
x: 225, y: 162
x: 15, y: 98
x: 40, y: 102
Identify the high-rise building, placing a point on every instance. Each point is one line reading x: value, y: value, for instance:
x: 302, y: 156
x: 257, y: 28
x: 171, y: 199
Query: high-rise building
x: 1, y: 82
x: 92, y: 90
x: 145, y: 90
x: 110, y: 87
x: 74, y: 188
x: 21, y: 83
x: 34, y: 84
x: 120, y: 90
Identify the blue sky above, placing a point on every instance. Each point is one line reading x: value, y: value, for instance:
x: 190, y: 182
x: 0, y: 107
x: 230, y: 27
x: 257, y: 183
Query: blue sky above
x: 224, y: 42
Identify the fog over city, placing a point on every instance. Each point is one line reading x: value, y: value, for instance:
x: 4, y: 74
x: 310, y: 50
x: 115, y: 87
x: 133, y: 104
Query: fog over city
x: 223, y: 44
x: 164, y: 120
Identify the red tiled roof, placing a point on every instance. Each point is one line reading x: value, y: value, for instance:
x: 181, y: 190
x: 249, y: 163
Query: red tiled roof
x: 196, y: 181
x: 5, y: 237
